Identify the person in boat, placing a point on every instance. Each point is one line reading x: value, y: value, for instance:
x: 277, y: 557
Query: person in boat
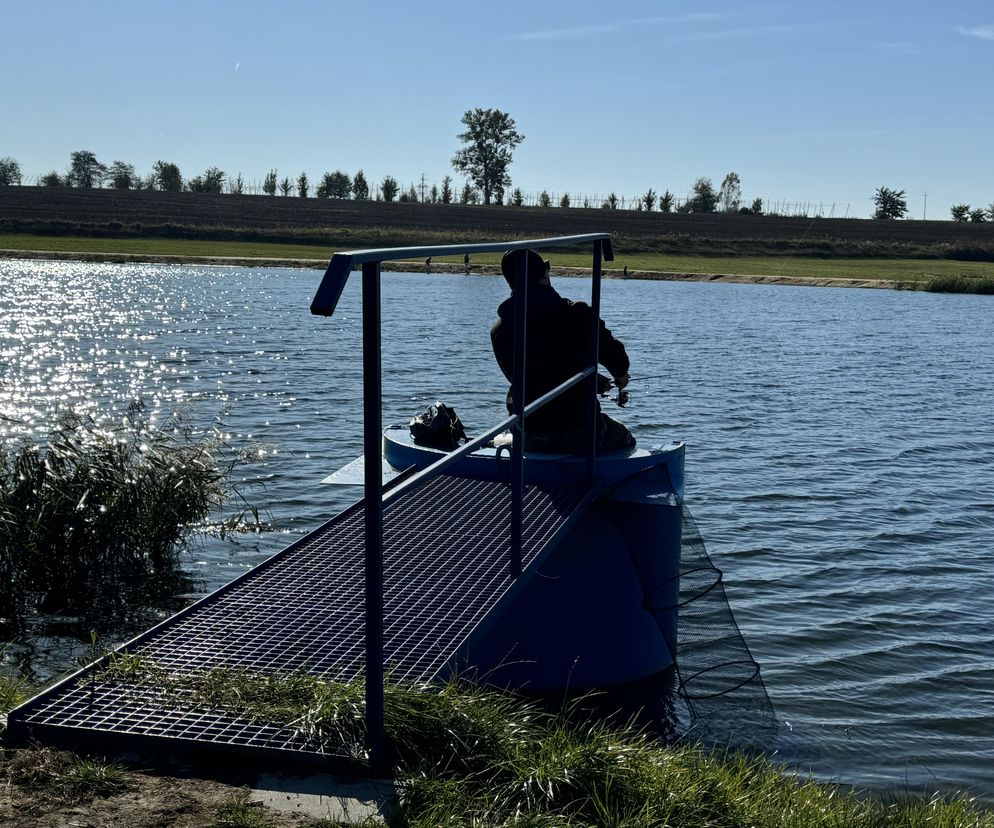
x: 558, y: 336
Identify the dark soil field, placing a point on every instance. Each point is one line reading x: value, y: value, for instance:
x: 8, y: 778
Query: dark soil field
x: 126, y: 213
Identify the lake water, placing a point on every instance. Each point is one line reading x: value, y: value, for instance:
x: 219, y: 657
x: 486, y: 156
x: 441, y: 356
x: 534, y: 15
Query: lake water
x: 840, y: 456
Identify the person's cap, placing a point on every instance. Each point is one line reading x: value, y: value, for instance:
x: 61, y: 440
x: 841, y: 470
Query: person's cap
x: 512, y: 259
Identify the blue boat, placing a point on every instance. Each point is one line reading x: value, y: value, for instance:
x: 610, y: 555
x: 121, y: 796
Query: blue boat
x: 600, y: 608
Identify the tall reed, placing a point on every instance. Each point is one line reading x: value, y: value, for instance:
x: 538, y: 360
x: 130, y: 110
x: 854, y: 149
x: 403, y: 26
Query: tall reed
x: 99, y: 515
x: 961, y: 284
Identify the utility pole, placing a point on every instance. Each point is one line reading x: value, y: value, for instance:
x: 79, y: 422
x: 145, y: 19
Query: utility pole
x: 422, y: 188
x: 924, y: 206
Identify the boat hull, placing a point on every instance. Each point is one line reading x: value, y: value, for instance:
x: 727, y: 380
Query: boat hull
x: 600, y: 609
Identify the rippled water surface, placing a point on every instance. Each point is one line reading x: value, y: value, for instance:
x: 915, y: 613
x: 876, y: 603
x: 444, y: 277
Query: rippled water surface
x: 840, y: 456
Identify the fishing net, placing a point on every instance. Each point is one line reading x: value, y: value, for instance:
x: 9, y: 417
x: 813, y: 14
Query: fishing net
x: 719, y: 684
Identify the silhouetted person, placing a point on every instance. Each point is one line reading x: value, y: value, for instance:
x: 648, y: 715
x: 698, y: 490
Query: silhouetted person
x: 558, y: 347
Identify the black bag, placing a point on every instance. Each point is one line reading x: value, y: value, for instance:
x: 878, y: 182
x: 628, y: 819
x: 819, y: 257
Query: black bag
x: 438, y: 427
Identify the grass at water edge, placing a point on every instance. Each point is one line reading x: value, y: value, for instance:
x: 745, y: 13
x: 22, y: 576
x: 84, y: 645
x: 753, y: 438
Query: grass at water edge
x: 901, y: 270
x: 471, y: 756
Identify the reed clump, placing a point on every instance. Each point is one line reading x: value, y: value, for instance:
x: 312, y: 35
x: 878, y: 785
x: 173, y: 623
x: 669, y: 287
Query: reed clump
x: 99, y: 514
x: 961, y: 284
x: 470, y: 756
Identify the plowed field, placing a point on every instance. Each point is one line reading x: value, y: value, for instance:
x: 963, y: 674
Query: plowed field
x: 37, y: 209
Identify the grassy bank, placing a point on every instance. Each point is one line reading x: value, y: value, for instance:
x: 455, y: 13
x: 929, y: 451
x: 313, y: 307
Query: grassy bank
x: 898, y: 270
x: 470, y: 757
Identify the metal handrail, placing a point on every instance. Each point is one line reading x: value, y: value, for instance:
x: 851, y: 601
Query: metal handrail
x: 324, y: 303
x: 341, y: 264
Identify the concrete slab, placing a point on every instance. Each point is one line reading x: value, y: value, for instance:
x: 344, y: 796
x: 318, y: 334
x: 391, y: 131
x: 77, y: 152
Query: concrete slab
x: 326, y: 796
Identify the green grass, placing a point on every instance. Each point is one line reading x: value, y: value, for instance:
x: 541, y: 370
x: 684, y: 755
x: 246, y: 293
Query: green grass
x: 240, y: 813
x: 13, y: 691
x: 96, y: 517
x: 467, y: 756
x: 911, y: 270
x: 64, y: 776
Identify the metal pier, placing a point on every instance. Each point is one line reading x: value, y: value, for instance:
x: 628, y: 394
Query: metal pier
x: 445, y: 551
x: 392, y: 587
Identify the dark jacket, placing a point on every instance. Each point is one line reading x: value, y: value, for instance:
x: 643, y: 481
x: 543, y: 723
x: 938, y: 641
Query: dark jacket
x: 558, y: 332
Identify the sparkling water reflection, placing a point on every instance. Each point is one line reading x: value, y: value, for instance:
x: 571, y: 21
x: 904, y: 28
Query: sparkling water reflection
x: 840, y: 458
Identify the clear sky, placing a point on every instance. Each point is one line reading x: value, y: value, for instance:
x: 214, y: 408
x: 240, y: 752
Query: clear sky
x: 807, y: 102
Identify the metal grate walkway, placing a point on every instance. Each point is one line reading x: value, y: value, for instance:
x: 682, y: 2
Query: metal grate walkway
x: 446, y: 547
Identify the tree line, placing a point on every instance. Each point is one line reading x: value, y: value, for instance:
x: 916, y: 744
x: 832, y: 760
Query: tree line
x: 488, y: 143
x: 86, y: 171
x: 891, y: 204
x: 487, y: 183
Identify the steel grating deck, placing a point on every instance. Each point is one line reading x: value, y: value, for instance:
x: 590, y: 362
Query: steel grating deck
x: 446, y: 547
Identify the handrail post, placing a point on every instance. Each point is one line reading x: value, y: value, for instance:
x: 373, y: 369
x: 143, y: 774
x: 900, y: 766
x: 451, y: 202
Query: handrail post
x: 518, y: 409
x: 595, y: 315
x: 372, y: 388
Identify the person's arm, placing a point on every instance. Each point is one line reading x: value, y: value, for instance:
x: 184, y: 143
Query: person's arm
x: 613, y: 356
x: 503, y: 349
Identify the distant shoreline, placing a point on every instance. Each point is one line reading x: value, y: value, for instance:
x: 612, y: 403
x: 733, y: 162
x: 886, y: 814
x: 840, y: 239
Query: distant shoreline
x: 483, y: 269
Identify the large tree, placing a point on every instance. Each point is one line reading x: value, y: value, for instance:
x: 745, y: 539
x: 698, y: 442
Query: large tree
x: 85, y: 170
x: 122, y: 176
x: 960, y: 212
x: 705, y: 199
x: 360, y: 187
x: 167, y: 176
x: 890, y: 204
x: 389, y: 188
x: 10, y: 172
x: 730, y: 194
x: 212, y: 181
x: 335, y: 185
x: 490, y: 138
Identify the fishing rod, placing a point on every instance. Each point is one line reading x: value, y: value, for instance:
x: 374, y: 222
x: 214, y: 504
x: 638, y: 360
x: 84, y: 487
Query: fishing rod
x: 623, y: 397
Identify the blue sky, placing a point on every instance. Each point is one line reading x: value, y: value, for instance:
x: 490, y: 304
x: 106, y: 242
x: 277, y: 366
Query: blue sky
x: 808, y: 102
